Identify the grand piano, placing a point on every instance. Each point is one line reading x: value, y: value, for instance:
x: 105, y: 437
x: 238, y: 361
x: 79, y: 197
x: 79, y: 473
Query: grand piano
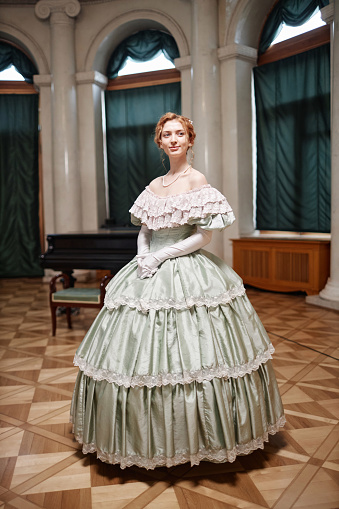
x: 104, y: 249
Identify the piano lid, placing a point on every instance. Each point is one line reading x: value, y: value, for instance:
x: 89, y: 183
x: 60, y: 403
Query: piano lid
x: 105, y: 249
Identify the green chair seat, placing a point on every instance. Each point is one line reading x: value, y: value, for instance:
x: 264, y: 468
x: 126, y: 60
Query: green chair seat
x: 77, y: 295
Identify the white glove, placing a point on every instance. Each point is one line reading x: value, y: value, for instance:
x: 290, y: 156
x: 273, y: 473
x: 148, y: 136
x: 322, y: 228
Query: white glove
x: 149, y: 264
x: 144, y: 240
x: 143, y: 243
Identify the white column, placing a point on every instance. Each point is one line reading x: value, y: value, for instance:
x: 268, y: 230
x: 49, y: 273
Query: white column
x: 91, y: 148
x: 184, y: 65
x: 206, y: 98
x: 236, y: 65
x: 330, y: 14
x: 206, y: 90
x: 67, y: 191
x: 42, y: 83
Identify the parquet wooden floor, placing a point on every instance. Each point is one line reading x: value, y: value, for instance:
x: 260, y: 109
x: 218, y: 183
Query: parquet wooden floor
x: 42, y: 466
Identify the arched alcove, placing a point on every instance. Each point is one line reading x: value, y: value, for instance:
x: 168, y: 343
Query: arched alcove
x: 125, y: 25
x: 26, y: 44
x: 246, y: 22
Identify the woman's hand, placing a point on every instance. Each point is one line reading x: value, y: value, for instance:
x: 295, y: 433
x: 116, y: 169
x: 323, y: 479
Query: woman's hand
x: 147, y: 266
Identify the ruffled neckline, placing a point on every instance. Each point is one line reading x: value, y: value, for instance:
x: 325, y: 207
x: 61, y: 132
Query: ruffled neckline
x: 158, y: 212
x: 205, y: 186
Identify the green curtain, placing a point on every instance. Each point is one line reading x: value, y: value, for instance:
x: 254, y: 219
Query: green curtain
x: 291, y: 12
x: 293, y: 142
x: 133, y: 157
x: 142, y: 46
x: 9, y: 55
x: 19, y: 186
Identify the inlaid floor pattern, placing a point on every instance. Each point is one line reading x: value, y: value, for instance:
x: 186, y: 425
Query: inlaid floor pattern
x: 43, y: 467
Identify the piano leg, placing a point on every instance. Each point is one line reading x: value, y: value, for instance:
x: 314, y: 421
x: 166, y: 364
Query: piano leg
x: 53, y: 312
x: 68, y: 314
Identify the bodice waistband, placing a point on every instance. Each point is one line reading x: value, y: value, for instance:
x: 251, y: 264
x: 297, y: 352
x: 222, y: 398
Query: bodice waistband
x: 169, y: 236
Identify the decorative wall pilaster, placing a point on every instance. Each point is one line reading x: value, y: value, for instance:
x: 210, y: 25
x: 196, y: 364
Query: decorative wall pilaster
x: 236, y: 63
x: 92, y: 148
x: 42, y: 82
x: 184, y: 65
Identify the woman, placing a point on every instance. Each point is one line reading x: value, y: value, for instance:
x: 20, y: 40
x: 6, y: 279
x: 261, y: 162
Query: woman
x: 176, y: 367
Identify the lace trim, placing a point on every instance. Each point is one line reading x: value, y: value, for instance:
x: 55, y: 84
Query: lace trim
x: 205, y: 186
x: 145, y: 305
x: 171, y: 211
x: 186, y: 377
x: 213, y: 455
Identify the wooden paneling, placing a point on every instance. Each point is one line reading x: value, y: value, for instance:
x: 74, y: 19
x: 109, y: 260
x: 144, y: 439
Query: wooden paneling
x: 292, y: 266
x: 283, y: 265
x: 255, y: 263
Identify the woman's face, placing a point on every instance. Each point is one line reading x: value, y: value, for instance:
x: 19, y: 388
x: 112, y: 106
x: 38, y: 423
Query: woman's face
x: 174, y: 139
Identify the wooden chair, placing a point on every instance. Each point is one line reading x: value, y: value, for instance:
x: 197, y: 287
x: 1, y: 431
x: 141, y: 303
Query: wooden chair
x: 74, y: 297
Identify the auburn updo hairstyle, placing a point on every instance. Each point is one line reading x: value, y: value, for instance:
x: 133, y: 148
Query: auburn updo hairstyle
x: 185, y: 122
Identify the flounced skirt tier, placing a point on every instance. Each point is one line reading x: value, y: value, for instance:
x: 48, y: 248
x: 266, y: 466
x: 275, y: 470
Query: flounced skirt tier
x: 175, y: 368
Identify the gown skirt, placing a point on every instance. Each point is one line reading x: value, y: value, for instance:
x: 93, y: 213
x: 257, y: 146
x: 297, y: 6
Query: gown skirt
x: 176, y: 367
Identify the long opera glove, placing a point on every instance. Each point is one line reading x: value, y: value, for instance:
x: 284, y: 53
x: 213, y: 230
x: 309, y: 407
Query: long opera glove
x: 144, y: 240
x: 143, y: 243
x: 149, y: 264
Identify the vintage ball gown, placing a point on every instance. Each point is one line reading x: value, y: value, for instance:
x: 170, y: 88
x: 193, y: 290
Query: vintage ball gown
x: 176, y: 367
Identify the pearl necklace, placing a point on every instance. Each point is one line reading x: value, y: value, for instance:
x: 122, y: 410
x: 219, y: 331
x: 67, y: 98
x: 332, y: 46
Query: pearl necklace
x: 176, y: 178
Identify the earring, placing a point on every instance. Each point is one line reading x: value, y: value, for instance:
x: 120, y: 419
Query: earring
x: 163, y: 159
x: 191, y: 156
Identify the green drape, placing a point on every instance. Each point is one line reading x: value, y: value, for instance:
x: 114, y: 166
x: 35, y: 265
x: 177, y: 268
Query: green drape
x: 9, y: 55
x: 19, y: 186
x: 291, y: 12
x: 142, y: 46
x: 293, y: 142
x: 133, y: 157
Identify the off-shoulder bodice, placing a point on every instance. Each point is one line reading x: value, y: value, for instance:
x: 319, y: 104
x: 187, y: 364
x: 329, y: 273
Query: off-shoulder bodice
x: 204, y: 206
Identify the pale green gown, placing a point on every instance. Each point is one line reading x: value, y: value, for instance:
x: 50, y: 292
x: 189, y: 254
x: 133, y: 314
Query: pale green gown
x: 176, y: 367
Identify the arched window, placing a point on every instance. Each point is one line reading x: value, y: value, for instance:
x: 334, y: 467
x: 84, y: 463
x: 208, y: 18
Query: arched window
x: 11, y: 74
x: 19, y: 166
x: 158, y: 63
x: 288, y: 32
x: 292, y: 97
x: 134, y: 103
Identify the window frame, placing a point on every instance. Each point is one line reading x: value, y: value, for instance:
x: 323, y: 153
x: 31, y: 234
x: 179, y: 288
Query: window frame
x: 290, y: 47
x: 295, y: 45
x: 145, y: 79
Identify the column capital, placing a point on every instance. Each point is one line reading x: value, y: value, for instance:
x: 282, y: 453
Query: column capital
x: 91, y: 78
x: 42, y: 80
x: 327, y: 13
x: 238, y: 51
x: 182, y: 63
x: 45, y: 8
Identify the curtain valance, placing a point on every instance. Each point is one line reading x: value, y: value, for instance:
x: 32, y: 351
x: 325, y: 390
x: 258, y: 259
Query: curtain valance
x: 9, y: 55
x: 291, y: 12
x: 142, y: 46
